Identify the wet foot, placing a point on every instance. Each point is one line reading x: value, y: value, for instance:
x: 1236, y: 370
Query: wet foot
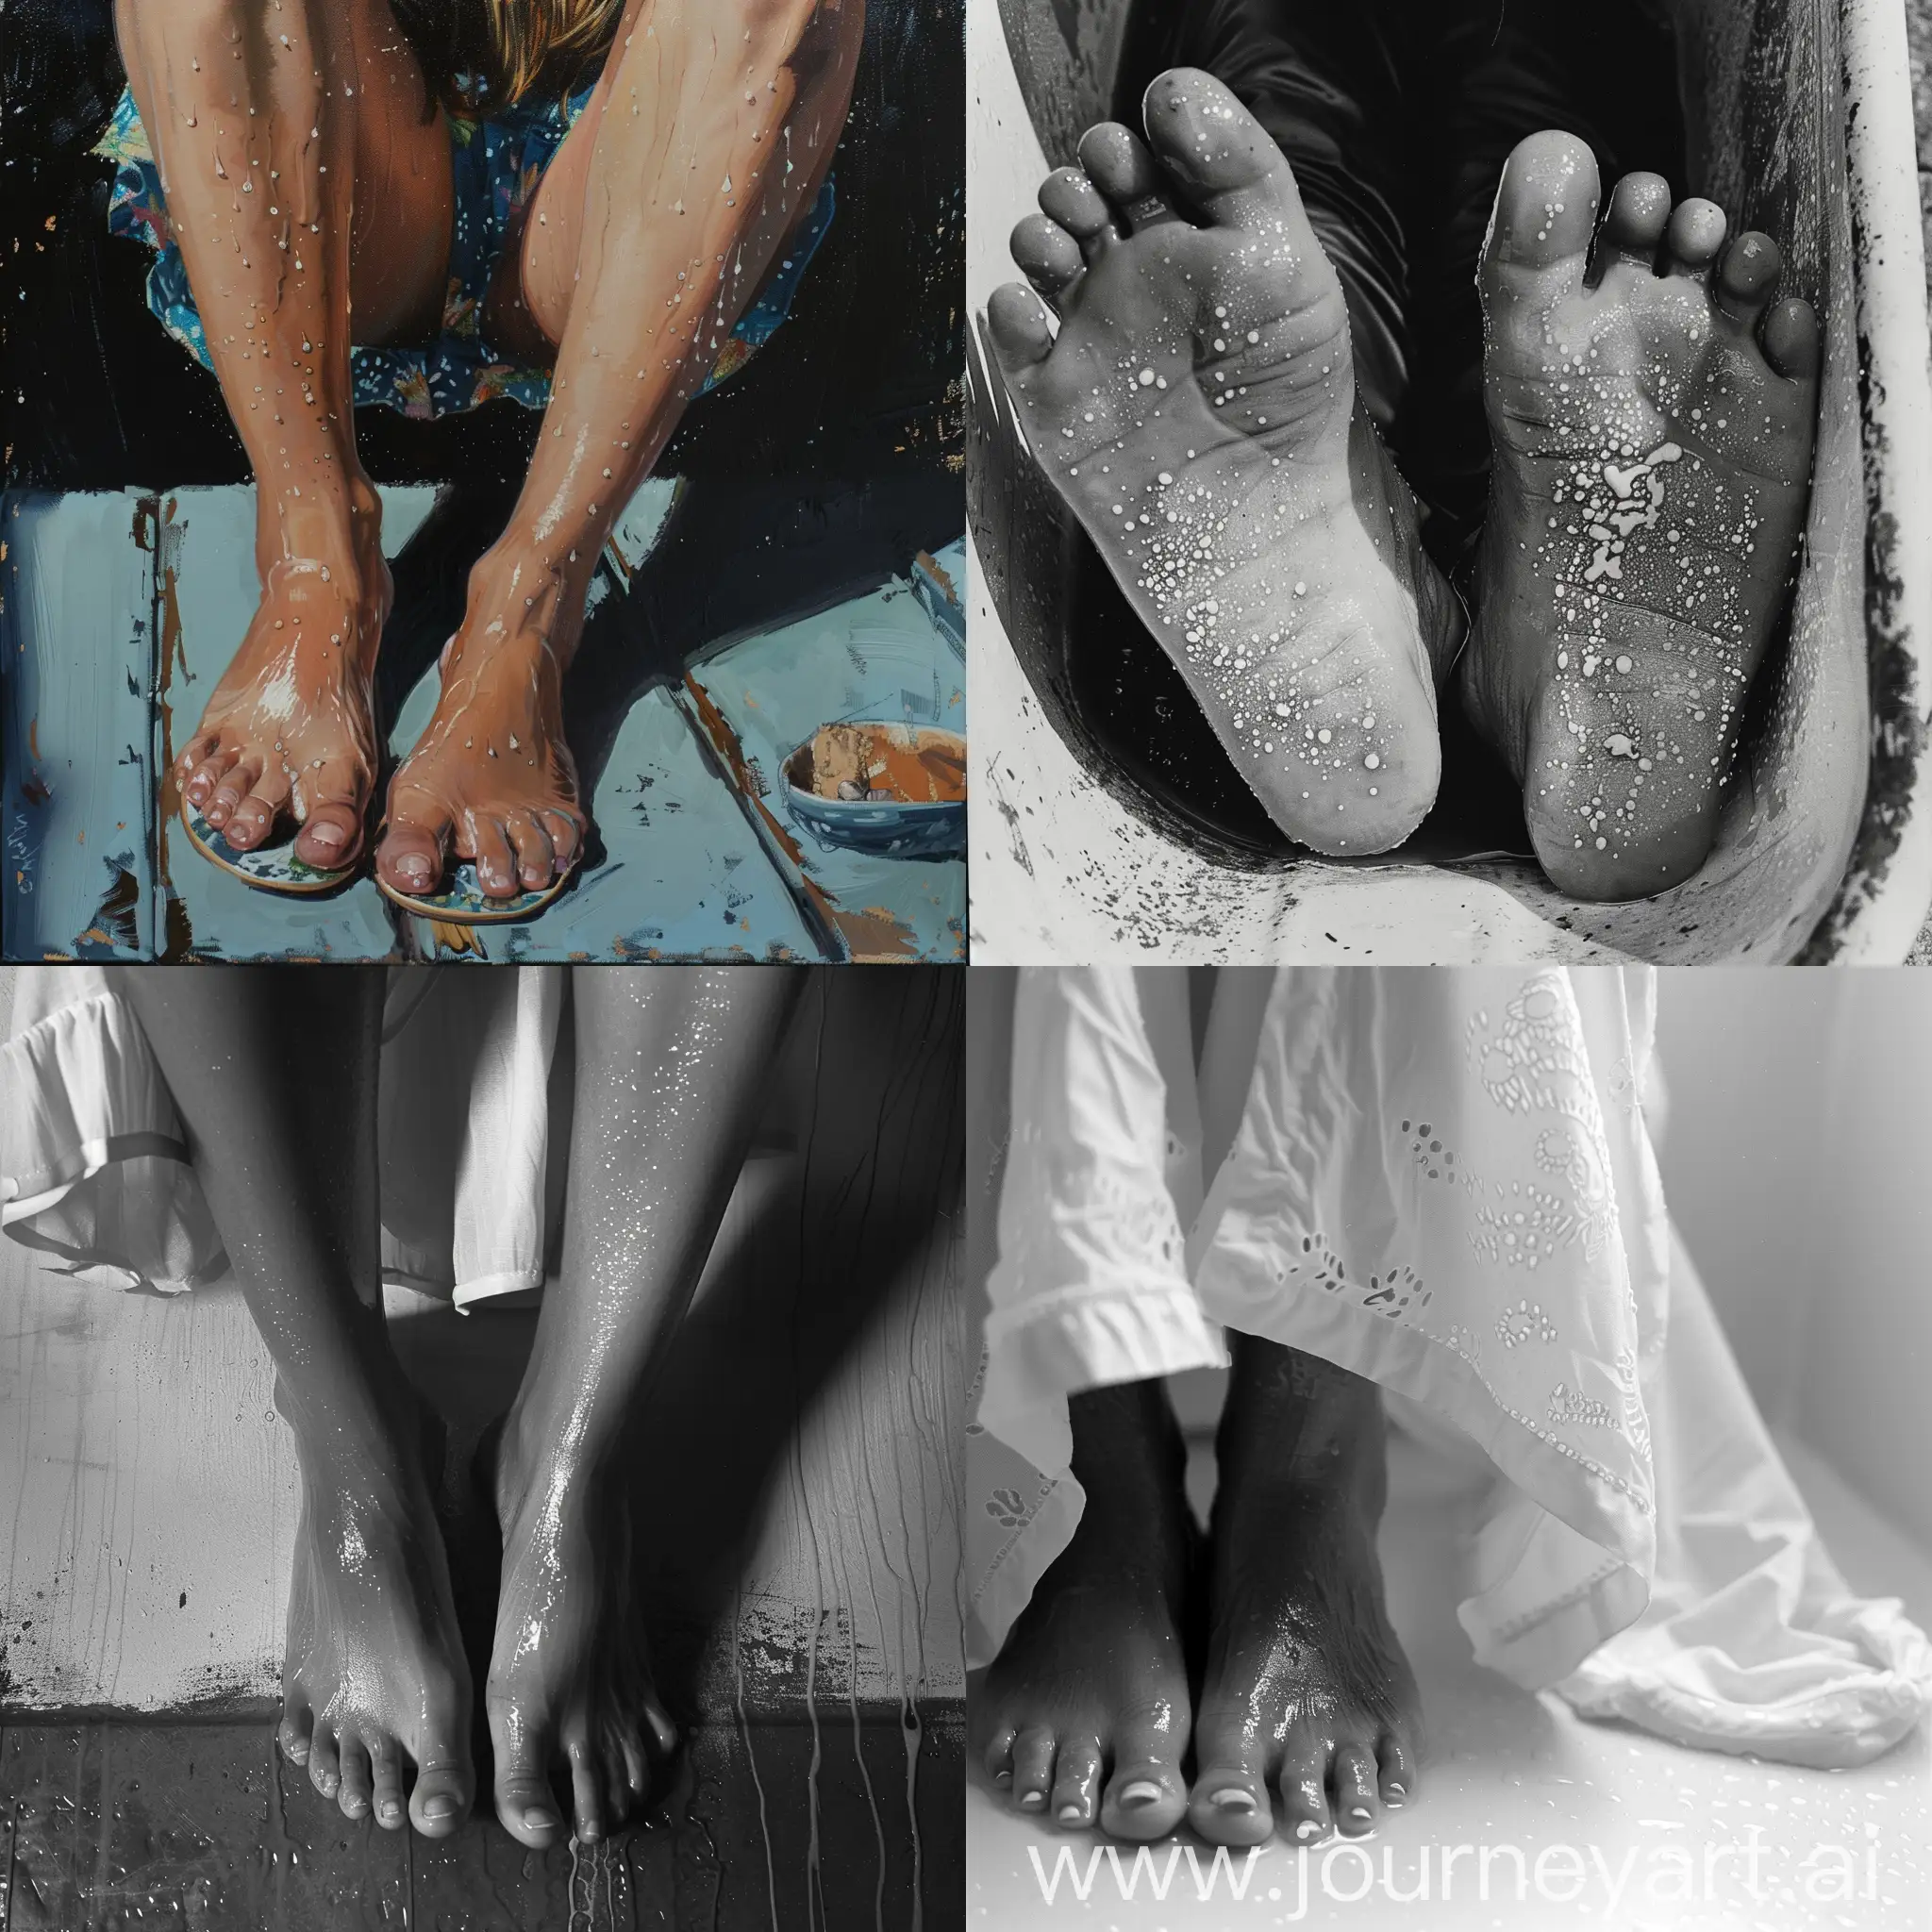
x: 289, y: 734
x: 1652, y: 421
x: 569, y: 1695
x: 375, y: 1682
x: 1308, y: 1719
x: 491, y: 779
x: 1083, y: 1714
x: 1197, y: 411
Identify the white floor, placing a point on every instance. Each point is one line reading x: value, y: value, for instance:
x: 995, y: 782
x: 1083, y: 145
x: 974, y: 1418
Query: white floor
x: 1631, y: 1832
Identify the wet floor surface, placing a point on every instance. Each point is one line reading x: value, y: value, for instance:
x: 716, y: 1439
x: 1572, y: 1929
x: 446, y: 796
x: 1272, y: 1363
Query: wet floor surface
x: 108, y: 1825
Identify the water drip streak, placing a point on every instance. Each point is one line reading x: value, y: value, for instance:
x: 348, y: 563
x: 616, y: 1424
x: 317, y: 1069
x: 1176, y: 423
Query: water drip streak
x: 814, y: 1884
x: 750, y: 1754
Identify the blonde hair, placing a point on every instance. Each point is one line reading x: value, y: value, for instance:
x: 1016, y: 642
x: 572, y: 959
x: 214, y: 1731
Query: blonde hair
x: 529, y: 38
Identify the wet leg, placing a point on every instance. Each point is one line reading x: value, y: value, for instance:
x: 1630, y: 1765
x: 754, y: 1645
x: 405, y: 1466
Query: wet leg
x: 671, y: 1070
x: 274, y: 1071
x: 710, y: 133
x: 302, y: 158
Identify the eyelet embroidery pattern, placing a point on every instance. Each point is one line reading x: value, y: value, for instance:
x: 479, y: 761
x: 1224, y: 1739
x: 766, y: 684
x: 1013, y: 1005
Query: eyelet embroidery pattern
x: 1526, y: 1322
x: 1389, y: 1294
x: 1570, y: 1408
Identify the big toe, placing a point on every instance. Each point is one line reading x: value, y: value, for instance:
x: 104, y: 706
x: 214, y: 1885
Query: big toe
x: 1226, y: 159
x: 441, y: 1798
x: 525, y: 1802
x: 1147, y: 1796
x: 1546, y: 205
x: 331, y: 836
x: 411, y: 858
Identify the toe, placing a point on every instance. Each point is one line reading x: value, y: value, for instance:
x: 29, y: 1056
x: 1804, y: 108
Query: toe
x: 662, y: 1732
x: 1069, y: 198
x: 998, y: 1756
x: 1396, y: 1761
x: 1634, y: 224
x: 525, y: 1802
x: 1302, y: 1784
x: 1034, y: 1751
x: 1357, y: 1790
x: 205, y: 773
x: 1116, y: 163
x: 1075, y: 1799
x: 496, y: 870
x: 586, y: 1791
x: 535, y: 861
x: 614, y: 1769
x: 236, y: 782
x: 1228, y: 1804
x: 1147, y: 1796
x: 330, y: 836
x: 1695, y: 234
x: 1224, y: 160
x: 1045, y: 254
x: 253, y: 821
x: 441, y: 1797
x: 1022, y: 331
x: 1546, y: 205
x: 293, y: 1733
x: 446, y: 1780
x: 1747, y: 275
x: 355, y: 1794
x: 1791, y: 339
x: 386, y: 1782
x: 566, y: 840
x: 636, y: 1766
x: 411, y: 857
x: 325, y: 1762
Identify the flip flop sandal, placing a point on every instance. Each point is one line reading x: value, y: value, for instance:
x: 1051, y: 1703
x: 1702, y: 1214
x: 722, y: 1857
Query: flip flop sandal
x: 463, y: 901
x: 268, y: 869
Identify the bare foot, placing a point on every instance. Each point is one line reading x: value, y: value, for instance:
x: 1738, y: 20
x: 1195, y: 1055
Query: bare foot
x: 570, y: 1680
x: 1083, y: 1714
x: 491, y: 779
x: 1308, y: 1702
x: 374, y: 1679
x: 1197, y: 409
x: 289, y: 732
x: 1653, y: 432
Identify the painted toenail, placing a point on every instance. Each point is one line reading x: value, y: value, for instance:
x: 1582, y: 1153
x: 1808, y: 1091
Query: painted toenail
x: 1032, y: 1800
x: 1233, y: 1799
x: 1070, y: 1814
x: 415, y: 870
x: 1142, y: 1793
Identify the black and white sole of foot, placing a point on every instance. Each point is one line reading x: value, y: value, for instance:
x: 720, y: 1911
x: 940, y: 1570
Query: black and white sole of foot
x: 1652, y: 416
x: 1181, y: 368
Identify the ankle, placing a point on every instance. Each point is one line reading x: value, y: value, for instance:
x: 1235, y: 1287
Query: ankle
x: 339, y: 528
x: 524, y: 596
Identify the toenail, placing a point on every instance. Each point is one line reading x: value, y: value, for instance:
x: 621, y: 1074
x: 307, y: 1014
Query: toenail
x: 1003, y: 1777
x: 326, y: 835
x: 1308, y: 1829
x: 1234, y: 1799
x: 415, y: 870
x: 1032, y: 1800
x: 1070, y: 1814
x: 1140, y: 1792
x: 441, y: 1805
x: 1394, y: 1794
x: 1358, y: 1811
x: 391, y: 1809
x: 537, y: 1820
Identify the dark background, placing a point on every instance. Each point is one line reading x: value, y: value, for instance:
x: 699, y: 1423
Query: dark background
x: 823, y: 466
